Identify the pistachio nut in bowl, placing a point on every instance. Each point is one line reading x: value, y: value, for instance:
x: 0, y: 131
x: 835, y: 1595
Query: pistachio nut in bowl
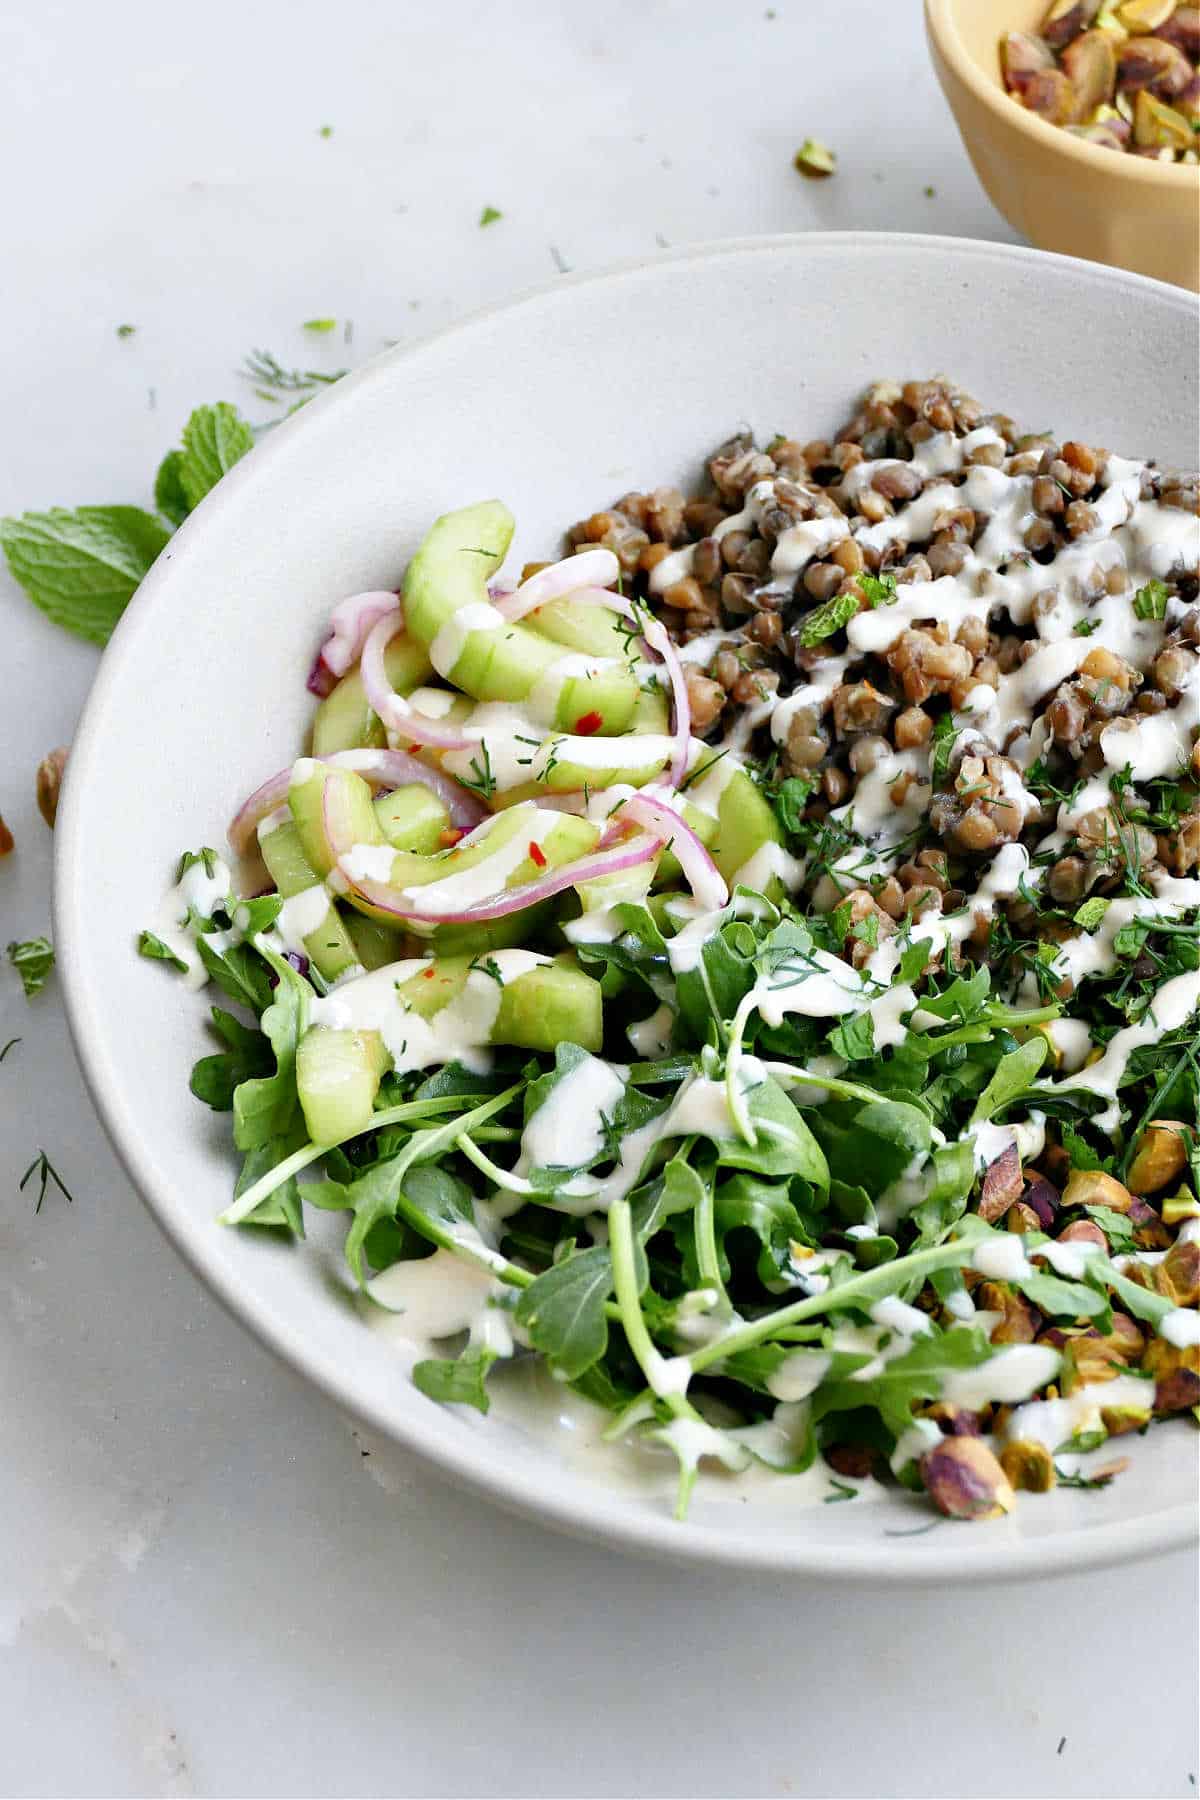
x: 1072, y: 155
x: 715, y: 995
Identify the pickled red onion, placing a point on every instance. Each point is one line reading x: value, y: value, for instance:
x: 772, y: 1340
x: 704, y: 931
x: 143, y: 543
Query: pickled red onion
x: 390, y: 707
x: 382, y: 768
x: 349, y: 623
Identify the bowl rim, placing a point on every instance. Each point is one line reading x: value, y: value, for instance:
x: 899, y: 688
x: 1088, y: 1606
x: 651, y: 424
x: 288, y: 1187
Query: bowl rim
x: 941, y: 21
x: 646, y: 1532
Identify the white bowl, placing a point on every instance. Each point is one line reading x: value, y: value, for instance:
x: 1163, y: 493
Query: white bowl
x: 558, y: 403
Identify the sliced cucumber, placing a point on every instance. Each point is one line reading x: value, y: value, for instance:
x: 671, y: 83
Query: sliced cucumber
x: 329, y: 947
x: 337, y: 1078
x: 413, y: 818
x: 344, y: 720
x: 481, y: 653
x: 550, y: 1004
x: 350, y: 804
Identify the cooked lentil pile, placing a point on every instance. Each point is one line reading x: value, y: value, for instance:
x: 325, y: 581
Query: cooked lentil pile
x: 1125, y: 77
x: 964, y: 660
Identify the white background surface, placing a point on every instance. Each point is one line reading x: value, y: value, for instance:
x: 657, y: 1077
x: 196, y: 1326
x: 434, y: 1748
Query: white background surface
x: 209, y: 1583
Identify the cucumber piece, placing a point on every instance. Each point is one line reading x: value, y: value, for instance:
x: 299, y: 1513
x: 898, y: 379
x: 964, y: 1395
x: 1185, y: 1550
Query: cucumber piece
x: 344, y: 720
x: 329, y: 948
x: 568, y: 838
x: 589, y: 629
x: 746, y: 821
x: 413, y: 818
x: 355, y: 811
x: 553, y: 1004
x: 337, y: 1078
x: 544, y: 1006
x: 376, y: 945
x: 483, y: 654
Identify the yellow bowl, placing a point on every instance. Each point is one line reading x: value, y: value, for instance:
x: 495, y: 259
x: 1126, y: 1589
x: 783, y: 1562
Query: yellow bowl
x: 1062, y: 192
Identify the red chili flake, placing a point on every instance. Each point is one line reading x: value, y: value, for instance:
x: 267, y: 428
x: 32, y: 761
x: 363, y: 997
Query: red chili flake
x: 590, y: 722
x: 537, y: 853
x: 428, y: 974
x: 449, y: 837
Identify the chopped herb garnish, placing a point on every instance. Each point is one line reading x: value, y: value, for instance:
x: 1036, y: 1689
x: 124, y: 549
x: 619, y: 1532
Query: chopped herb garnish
x: 490, y: 215
x: 33, y: 961
x: 1150, y: 602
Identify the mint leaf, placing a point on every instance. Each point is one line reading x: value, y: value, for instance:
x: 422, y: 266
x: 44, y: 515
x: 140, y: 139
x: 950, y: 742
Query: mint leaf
x: 214, y: 438
x: 880, y: 590
x: 829, y: 618
x: 33, y: 961
x: 457, y: 1382
x: 1091, y: 913
x: 82, y: 568
x: 1150, y: 602
x: 169, y: 496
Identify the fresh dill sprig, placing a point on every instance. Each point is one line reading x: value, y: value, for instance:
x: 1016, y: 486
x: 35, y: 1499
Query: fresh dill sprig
x: 46, y: 1172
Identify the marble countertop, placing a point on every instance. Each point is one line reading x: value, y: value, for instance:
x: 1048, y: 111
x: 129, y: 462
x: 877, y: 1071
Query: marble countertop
x: 210, y: 1582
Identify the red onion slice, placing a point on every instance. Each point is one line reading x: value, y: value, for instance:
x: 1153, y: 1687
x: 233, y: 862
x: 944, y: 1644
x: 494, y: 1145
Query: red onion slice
x: 699, y: 870
x: 397, y: 903
x: 382, y: 768
x: 389, y: 706
x: 587, y: 574
x: 590, y: 569
x: 349, y: 623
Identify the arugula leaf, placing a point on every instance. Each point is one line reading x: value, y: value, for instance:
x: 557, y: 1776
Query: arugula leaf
x: 1013, y: 1075
x: 282, y: 1207
x: 266, y: 1106
x: 953, y: 1171
x: 964, y: 999
x: 854, y: 1038
x: 457, y: 1381
x: 239, y: 972
x: 214, y: 438
x: 214, y: 1078
x: 1121, y: 1234
x: 785, y: 1145
x: 916, y: 1375
x: 1062, y: 1299
x: 723, y: 972
x: 764, y: 1208
x: 82, y: 568
x: 33, y: 961
x: 1100, y: 1273
x: 149, y: 945
x: 564, y: 1311
x: 871, y: 1144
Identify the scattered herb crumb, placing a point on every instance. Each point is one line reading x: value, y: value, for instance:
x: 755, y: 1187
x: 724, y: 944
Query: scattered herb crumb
x: 10, y: 1044
x: 1062, y: 1744
x: 815, y: 160
x: 46, y: 1172
x: 930, y: 191
x: 489, y: 215
x: 320, y: 324
x: 843, y: 1491
x: 560, y: 261
x: 126, y: 331
x: 326, y: 131
x: 33, y: 961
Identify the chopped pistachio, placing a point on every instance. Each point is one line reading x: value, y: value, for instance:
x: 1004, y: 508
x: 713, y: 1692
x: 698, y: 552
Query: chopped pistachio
x: 1028, y: 1465
x: 815, y: 159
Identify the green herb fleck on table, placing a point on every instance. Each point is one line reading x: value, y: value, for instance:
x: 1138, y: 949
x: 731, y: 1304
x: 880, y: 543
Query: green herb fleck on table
x: 489, y: 216
x: 11, y: 1045
x: 126, y: 331
x: 33, y: 961
x: 320, y: 324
